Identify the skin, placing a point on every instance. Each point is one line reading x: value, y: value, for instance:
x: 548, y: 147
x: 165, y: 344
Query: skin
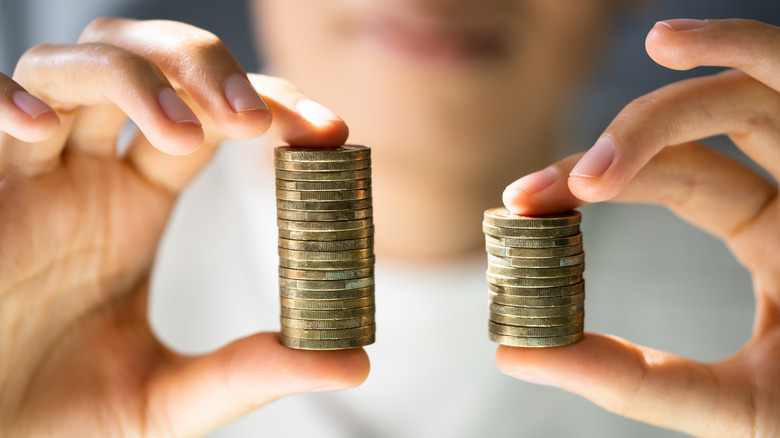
x: 92, y: 363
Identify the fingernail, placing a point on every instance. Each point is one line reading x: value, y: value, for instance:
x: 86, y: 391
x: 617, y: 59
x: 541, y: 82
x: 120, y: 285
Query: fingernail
x: 533, y: 379
x: 597, y: 160
x: 175, y: 109
x: 683, y: 24
x: 241, y: 95
x: 31, y: 105
x: 315, y: 112
x: 327, y: 389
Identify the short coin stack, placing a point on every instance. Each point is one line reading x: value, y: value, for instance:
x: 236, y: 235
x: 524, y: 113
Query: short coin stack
x: 535, y: 266
x: 326, y: 247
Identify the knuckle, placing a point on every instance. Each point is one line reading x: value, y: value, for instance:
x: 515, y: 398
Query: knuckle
x: 95, y: 28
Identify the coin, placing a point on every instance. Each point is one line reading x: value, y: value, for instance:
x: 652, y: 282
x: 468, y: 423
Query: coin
x: 327, y: 236
x: 553, y: 341
x: 327, y: 344
x: 577, y: 318
x: 556, y: 291
x: 514, y: 300
x: 511, y: 271
x: 357, y: 204
x: 327, y: 265
x: 338, y: 215
x: 533, y: 332
x: 537, y: 262
x: 314, y: 186
x: 505, y: 252
x: 536, y: 312
x: 331, y: 245
x: 321, y: 324
x: 501, y: 217
x: 336, y: 305
x: 321, y: 166
x: 341, y: 153
x: 346, y: 274
x: 328, y: 334
x: 530, y: 233
x: 516, y: 242
x: 322, y: 196
x: 354, y: 254
x: 327, y: 314
x: 353, y: 283
x: 343, y: 294
x: 533, y: 282
x: 343, y: 175
x: 297, y: 225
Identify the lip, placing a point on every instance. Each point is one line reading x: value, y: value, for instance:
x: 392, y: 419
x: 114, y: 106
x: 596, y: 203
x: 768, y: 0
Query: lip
x: 433, y: 39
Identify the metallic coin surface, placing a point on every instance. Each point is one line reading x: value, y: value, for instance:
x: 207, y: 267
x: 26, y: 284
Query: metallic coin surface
x: 352, y: 303
x: 357, y: 204
x: 320, y: 324
x: 326, y: 245
x: 514, y: 300
x: 326, y: 236
x: 343, y: 175
x: 322, y: 166
x: 326, y: 265
x: 511, y: 271
x: 327, y: 344
x: 506, y: 252
x: 328, y: 334
x: 311, y: 294
x: 327, y: 314
x: 501, y: 217
x: 325, y: 216
x: 338, y: 274
x: 329, y: 186
x: 502, y: 280
x: 536, y: 312
x: 577, y: 318
x: 537, y: 262
x: 556, y: 291
x: 553, y: 341
x: 341, y: 153
x: 515, y: 242
x: 323, y: 196
x: 530, y: 233
x: 353, y: 254
x: 534, y: 332
x: 354, y: 283
x: 297, y: 225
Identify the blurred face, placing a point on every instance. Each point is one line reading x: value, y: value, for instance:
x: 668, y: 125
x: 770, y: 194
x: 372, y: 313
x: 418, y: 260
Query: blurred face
x: 457, y: 97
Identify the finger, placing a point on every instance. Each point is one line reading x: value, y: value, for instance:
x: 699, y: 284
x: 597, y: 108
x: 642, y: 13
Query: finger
x: 96, y: 129
x: 195, y: 61
x: 543, y: 192
x: 92, y: 74
x: 23, y: 115
x: 747, y: 45
x: 731, y: 103
x: 640, y: 383
x: 199, y: 395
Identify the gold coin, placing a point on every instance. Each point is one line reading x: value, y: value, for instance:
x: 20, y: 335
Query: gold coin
x: 298, y: 225
x: 530, y: 233
x: 509, y: 253
x: 325, y: 216
x: 534, y: 332
x: 342, y: 175
x: 577, y: 318
x: 502, y: 280
x: 537, y: 262
x: 514, y: 300
x: 501, y: 217
x: 540, y: 292
x: 329, y: 245
x: 349, y: 333
x: 327, y: 236
x: 354, y: 254
x: 327, y: 314
x: 553, y: 341
x: 321, y: 166
x: 511, y: 271
x: 536, y: 312
x: 314, y: 186
x: 327, y: 265
x: 353, y: 283
x: 340, y: 274
x: 535, y: 243
x: 343, y: 294
x: 332, y: 305
x: 357, y: 204
x: 323, y: 196
x: 327, y: 344
x: 320, y: 324
x: 341, y: 153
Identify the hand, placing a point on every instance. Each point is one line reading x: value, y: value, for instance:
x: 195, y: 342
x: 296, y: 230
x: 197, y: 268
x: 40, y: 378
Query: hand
x: 649, y: 154
x: 79, y: 226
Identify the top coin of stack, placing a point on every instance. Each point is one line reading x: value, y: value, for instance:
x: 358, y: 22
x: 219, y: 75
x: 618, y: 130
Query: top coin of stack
x: 326, y: 247
x: 535, y: 266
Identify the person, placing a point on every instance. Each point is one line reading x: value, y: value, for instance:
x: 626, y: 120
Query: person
x: 455, y: 98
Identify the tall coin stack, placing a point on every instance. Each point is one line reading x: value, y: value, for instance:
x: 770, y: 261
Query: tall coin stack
x: 326, y: 247
x: 535, y: 266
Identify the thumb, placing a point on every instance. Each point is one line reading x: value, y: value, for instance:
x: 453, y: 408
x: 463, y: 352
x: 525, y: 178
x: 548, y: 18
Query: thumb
x: 192, y: 396
x: 640, y: 383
